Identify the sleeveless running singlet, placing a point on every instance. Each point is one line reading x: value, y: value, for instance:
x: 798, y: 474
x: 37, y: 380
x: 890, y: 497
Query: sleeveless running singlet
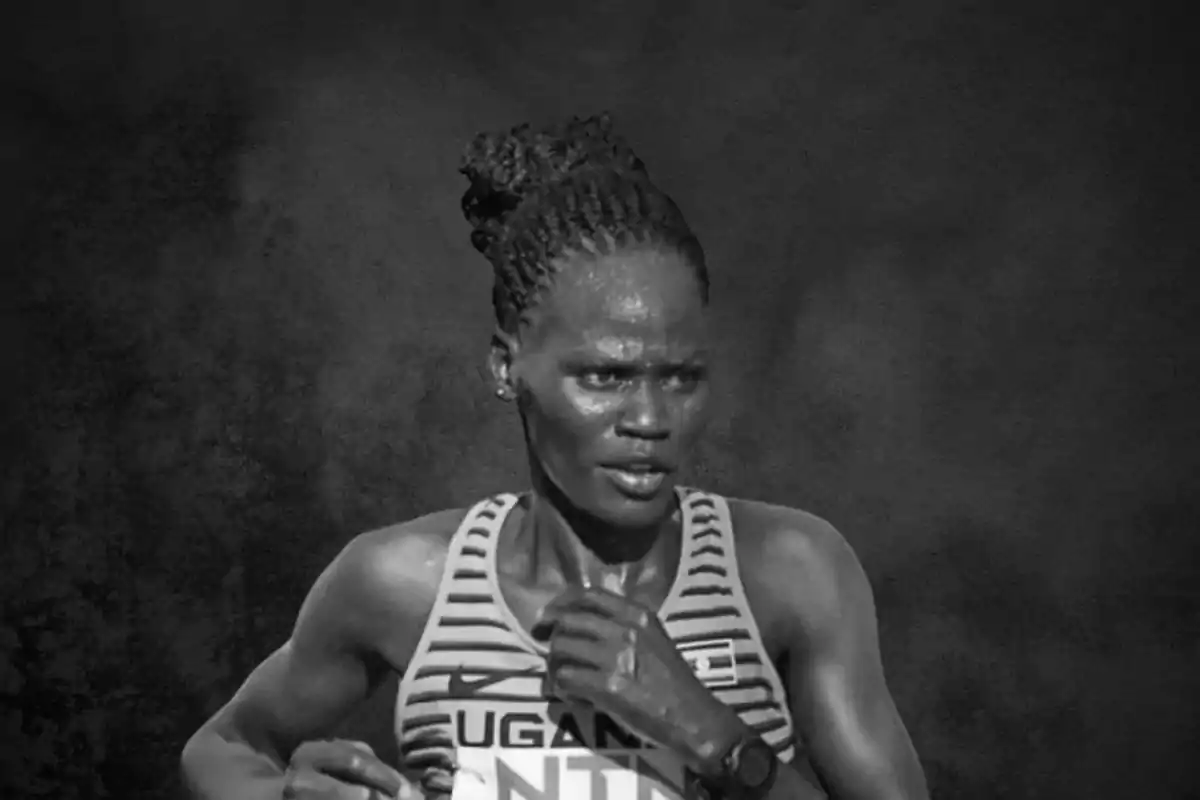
x: 472, y: 702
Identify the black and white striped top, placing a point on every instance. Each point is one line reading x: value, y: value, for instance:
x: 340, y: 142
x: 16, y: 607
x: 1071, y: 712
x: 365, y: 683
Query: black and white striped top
x: 476, y: 679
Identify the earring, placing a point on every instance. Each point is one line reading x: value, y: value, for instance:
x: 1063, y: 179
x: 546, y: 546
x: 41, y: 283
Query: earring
x: 503, y: 393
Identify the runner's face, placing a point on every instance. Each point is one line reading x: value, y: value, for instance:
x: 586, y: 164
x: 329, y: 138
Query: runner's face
x: 612, y: 378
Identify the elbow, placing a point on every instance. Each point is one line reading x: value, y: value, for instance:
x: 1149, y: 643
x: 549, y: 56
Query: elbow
x: 197, y: 751
x: 210, y: 747
x: 219, y: 761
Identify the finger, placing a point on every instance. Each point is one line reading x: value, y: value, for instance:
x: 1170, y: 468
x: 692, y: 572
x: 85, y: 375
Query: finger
x: 551, y: 613
x: 614, y: 606
x: 405, y: 792
x: 437, y: 784
x: 366, y: 748
x: 586, y: 611
x: 409, y: 791
x: 575, y: 682
x: 579, y: 651
x: 368, y: 771
x: 586, y: 626
x: 308, y: 785
x: 598, y: 602
x: 582, y: 665
x: 349, y: 761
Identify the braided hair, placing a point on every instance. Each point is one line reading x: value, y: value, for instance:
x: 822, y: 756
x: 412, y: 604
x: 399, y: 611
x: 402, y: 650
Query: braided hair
x: 537, y: 194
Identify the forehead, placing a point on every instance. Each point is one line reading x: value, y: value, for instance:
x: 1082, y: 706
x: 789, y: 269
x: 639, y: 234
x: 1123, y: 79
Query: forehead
x: 646, y: 294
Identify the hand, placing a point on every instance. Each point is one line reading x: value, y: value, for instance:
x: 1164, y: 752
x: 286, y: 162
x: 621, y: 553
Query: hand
x: 614, y: 654
x: 343, y: 770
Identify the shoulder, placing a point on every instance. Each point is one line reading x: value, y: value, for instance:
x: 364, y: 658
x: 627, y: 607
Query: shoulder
x: 380, y: 588
x: 799, y: 565
x: 400, y: 555
x: 796, y: 538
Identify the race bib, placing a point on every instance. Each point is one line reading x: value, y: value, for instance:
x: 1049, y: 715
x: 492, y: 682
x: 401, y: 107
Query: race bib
x: 525, y: 773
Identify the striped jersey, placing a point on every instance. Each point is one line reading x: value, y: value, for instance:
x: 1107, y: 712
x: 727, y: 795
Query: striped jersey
x: 472, y: 703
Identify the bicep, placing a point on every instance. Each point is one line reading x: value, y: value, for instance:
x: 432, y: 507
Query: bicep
x: 840, y: 699
x: 292, y: 697
x: 303, y: 689
x: 850, y: 725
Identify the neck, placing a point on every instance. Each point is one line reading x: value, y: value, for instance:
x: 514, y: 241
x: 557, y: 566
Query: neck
x: 569, y: 546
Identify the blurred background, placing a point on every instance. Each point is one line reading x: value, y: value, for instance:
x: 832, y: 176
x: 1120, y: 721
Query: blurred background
x: 949, y: 244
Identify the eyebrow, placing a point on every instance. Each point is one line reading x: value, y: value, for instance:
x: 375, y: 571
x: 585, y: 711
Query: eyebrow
x: 591, y: 358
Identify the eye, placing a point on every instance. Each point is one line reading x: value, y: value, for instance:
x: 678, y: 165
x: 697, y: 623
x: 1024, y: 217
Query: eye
x: 683, y: 380
x: 602, y: 378
x: 673, y: 383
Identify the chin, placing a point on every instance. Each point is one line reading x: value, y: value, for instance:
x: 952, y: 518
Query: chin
x: 622, y: 511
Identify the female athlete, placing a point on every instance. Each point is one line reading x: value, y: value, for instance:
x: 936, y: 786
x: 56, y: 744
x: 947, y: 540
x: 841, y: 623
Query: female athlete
x: 610, y: 632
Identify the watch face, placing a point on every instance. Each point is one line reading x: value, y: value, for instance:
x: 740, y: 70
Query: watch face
x: 756, y: 763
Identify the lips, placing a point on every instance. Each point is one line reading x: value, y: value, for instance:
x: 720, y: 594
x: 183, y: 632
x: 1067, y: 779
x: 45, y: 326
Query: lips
x: 638, y: 478
x: 639, y: 464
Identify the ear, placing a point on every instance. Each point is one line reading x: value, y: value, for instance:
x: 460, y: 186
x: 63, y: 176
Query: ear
x: 500, y: 362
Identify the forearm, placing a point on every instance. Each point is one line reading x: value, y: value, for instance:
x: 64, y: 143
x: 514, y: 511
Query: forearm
x: 216, y: 768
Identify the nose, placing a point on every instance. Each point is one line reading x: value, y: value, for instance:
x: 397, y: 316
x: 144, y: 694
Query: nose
x: 644, y: 414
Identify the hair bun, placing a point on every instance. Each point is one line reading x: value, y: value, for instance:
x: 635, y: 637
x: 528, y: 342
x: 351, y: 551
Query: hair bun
x: 505, y: 168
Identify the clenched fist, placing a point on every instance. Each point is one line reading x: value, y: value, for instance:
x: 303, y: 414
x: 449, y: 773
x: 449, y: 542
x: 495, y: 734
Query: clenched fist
x: 343, y: 770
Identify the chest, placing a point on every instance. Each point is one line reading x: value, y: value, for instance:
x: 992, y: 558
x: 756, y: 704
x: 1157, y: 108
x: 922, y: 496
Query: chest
x: 526, y: 600
x: 526, y: 603
x: 703, y: 574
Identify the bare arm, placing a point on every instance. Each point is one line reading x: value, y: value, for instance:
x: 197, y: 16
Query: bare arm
x: 839, y: 696
x: 816, y: 601
x: 331, y: 663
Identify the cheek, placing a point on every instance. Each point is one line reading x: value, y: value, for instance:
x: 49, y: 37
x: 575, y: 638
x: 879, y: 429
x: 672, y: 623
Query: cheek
x: 584, y: 405
x: 558, y: 411
x: 693, y: 413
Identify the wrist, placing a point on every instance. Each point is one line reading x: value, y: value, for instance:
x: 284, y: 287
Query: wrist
x: 724, y: 729
x: 731, y: 760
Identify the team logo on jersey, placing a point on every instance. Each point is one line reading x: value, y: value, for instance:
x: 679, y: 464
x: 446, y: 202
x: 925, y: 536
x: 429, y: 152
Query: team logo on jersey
x: 712, y: 660
x: 570, y: 774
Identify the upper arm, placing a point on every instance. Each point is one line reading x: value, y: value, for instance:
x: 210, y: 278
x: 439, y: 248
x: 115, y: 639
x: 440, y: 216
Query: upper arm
x: 305, y: 687
x: 341, y: 646
x: 837, y: 691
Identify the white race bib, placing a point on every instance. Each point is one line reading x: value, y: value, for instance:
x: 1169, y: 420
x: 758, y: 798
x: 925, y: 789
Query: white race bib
x: 526, y: 773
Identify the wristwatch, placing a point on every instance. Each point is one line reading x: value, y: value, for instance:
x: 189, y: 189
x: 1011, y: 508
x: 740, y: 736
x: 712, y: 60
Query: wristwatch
x: 748, y: 771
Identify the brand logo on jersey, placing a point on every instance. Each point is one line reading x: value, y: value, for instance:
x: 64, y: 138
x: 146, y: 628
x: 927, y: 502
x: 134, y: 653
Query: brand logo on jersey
x: 462, y: 688
x: 712, y: 660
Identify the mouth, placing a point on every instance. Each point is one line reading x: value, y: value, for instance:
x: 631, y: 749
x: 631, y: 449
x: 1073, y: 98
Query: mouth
x: 640, y: 480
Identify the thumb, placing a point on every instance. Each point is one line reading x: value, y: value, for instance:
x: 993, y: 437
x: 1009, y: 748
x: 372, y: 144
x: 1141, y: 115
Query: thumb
x: 408, y: 791
x: 363, y: 746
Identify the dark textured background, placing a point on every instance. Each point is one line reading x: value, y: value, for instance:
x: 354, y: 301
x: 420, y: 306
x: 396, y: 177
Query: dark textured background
x: 949, y: 244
